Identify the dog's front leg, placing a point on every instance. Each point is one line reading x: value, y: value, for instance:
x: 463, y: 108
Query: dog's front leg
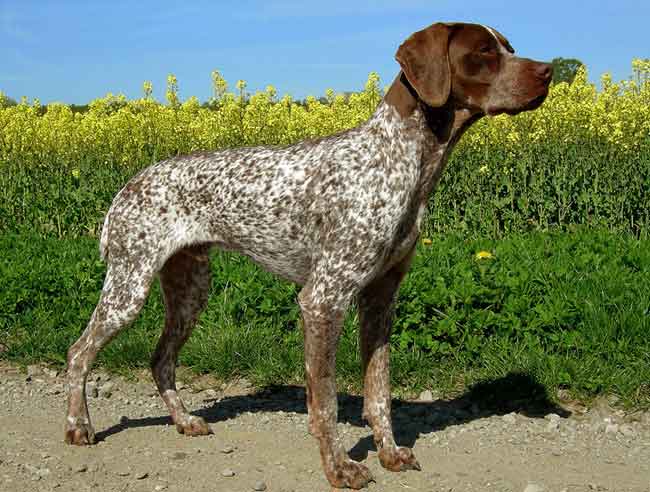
x: 375, y: 316
x: 322, y: 323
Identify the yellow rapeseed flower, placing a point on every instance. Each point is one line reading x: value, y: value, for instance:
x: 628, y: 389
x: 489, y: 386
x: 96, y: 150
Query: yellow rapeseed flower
x: 426, y: 241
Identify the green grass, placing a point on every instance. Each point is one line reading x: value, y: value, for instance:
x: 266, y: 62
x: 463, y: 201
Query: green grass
x: 567, y: 309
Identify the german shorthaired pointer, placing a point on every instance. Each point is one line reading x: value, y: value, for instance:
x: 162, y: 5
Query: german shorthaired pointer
x: 339, y: 215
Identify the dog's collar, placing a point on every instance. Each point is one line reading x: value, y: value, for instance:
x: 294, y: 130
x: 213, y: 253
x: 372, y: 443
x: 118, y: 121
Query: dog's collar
x: 410, y: 88
x: 439, y: 120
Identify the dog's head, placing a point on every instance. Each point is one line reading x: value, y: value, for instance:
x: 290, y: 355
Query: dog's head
x: 475, y: 67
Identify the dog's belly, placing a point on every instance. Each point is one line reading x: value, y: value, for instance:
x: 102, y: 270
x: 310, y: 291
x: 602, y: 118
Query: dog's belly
x: 277, y: 244
x: 290, y: 265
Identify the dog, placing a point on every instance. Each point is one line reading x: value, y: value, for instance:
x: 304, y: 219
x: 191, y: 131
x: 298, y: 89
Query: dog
x: 338, y: 215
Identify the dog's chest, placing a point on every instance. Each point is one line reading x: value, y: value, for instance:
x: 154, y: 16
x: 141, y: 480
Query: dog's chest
x: 431, y: 162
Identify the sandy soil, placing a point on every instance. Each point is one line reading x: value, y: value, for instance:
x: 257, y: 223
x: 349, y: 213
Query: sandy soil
x: 260, y: 442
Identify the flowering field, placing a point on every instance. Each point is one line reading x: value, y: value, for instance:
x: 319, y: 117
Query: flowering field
x: 582, y: 158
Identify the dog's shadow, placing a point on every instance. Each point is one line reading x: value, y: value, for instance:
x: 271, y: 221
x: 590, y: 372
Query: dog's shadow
x: 513, y: 392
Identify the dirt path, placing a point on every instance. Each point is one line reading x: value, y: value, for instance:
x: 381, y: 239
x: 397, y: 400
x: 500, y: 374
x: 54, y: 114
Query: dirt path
x: 260, y: 441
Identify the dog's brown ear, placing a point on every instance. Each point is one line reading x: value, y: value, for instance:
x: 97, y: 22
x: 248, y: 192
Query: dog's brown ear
x: 424, y: 58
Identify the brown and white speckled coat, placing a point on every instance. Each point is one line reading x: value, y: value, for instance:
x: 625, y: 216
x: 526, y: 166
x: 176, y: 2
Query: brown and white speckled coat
x: 339, y: 215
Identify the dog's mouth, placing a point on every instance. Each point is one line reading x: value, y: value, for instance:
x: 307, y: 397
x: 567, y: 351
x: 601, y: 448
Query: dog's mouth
x: 534, y: 103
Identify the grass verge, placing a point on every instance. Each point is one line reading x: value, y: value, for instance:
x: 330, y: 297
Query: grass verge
x: 568, y: 310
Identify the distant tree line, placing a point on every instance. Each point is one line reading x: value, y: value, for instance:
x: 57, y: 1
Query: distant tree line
x: 564, y: 70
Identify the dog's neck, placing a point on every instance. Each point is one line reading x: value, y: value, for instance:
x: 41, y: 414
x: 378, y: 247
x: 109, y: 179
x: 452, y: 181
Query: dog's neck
x: 447, y: 123
x: 441, y: 128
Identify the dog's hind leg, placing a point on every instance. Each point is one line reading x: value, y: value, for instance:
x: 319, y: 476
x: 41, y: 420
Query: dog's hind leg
x: 125, y: 290
x: 185, y: 282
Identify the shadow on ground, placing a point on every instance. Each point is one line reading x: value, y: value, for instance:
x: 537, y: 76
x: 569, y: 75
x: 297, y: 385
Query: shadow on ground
x: 513, y: 392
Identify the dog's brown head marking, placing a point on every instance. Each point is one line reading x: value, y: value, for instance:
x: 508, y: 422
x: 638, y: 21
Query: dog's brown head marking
x: 474, y: 67
x: 424, y: 58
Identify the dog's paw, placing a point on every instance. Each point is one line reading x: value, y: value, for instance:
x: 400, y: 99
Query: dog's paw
x: 350, y: 474
x: 79, y: 434
x: 398, y: 459
x: 193, y: 426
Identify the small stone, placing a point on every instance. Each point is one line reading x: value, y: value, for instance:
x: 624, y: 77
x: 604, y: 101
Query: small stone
x: 81, y: 468
x: 160, y: 487
x: 106, y: 391
x: 57, y: 389
x: 509, y: 418
x: 611, y: 429
x: 426, y: 395
x: 210, y: 393
x: 533, y: 487
x: 227, y: 450
x: 228, y: 473
x: 91, y: 389
x: 628, y: 431
x: 597, y: 427
x: 260, y: 486
x: 553, y: 426
x: 142, y: 475
x: 179, y: 455
x: 33, y: 371
x: 613, y: 399
x: 123, y: 473
x: 553, y: 417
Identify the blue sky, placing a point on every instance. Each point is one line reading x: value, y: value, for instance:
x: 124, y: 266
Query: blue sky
x: 75, y: 51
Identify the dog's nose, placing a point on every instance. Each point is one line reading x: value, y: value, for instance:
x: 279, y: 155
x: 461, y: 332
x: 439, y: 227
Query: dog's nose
x: 544, y: 71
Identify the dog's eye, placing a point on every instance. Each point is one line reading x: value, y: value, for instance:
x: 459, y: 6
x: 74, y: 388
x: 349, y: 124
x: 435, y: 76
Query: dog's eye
x: 486, y: 49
